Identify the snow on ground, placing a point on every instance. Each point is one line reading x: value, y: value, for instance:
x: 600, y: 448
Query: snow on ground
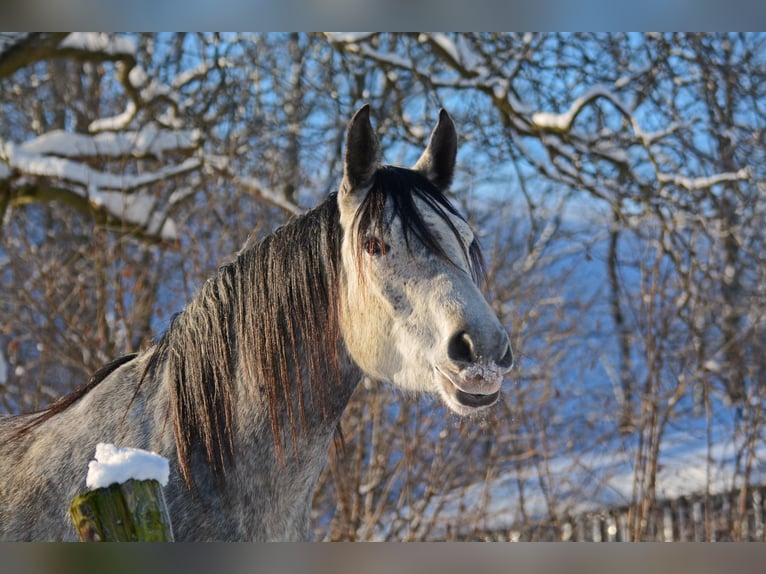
x: 118, y: 465
x: 497, y: 504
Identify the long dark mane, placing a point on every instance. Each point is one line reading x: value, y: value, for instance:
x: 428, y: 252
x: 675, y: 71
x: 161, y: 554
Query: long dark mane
x: 271, y: 310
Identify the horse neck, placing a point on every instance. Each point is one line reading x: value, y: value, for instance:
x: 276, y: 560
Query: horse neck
x: 260, y: 348
x: 317, y: 407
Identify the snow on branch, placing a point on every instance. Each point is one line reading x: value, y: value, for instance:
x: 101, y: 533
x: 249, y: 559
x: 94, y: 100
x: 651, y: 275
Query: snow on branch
x: 121, y: 197
x: 349, y: 37
x: 220, y: 165
x: 563, y: 122
x: 142, y: 210
x: 555, y: 157
x: 696, y: 183
x: 34, y: 164
x: 199, y: 72
x: 459, y: 53
x: 150, y: 141
x: 64, y: 166
x: 353, y: 44
x: 141, y: 90
x: 115, y: 123
x: 100, y: 42
x: 90, y: 46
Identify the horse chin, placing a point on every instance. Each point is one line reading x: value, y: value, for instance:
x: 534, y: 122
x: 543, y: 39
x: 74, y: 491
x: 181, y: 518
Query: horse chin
x: 452, y: 389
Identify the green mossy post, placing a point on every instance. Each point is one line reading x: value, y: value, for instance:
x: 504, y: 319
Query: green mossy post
x: 134, y: 511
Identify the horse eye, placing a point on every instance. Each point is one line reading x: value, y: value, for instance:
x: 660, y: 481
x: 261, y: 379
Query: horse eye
x: 374, y: 246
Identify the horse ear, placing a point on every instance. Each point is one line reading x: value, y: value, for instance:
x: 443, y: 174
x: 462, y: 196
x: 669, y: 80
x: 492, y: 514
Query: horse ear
x: 362, y: 151
x: 438, y: 160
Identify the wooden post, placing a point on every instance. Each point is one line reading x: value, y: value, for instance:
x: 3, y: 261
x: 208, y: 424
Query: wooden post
x: 132, y: 511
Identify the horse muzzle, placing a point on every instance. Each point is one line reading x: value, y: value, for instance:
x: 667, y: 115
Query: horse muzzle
x: 472, y: 379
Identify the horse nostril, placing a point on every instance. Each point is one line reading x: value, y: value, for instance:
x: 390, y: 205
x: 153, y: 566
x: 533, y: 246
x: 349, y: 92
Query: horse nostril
x: 460, y: 348
x: 507, y: 361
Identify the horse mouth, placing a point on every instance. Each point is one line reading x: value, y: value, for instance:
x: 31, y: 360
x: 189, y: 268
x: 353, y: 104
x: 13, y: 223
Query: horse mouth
x: 475, y: 400
x: 463, y: 402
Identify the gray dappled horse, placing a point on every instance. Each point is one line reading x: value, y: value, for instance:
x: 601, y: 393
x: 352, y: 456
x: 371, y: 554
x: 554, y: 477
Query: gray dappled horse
x: 244, y: 391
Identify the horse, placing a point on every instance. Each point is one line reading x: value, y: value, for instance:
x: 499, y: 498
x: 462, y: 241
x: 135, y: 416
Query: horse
x: 244, y: 391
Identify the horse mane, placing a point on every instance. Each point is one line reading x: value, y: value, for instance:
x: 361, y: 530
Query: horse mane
x: 267, y: 312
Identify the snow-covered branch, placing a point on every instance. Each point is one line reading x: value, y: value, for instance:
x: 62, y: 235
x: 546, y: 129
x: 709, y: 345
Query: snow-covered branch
x: 262, y: 191
x: 119, y: 197
x: 550, y: 140
x: 99, y: 43
x: 696, y: 183
x: 563, y: 122
x: 149, y: 141
x: 59, y: 162
x: 81, y: 175
x: 63, y: 165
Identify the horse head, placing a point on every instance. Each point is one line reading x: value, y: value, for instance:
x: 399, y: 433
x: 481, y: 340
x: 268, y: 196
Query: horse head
x: 412, y: 312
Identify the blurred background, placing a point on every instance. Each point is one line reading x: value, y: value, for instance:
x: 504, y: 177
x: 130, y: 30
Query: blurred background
x: 617, y: 183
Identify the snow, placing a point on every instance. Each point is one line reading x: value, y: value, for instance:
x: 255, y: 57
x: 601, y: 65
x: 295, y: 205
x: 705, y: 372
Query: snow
x: 459, y: 51
x: 99, y: 42
x: 704, y: 182
x: 118, y: 122
x: 386, y: 57
x: 348, y: 37
x: 122, y: 195
x: 137, y: 77
x: 139, y: 208
x: 467, y: 56
x: 443, y: 41
x: 118, y: 465
x: 46, y: 165
x: 262, y: 190
x: 562, y: 122
x: 686, y: 468
x: 150, y: 140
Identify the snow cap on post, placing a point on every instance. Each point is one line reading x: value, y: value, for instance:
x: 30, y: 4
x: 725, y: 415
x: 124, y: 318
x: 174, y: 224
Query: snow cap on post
x: 118, y: 465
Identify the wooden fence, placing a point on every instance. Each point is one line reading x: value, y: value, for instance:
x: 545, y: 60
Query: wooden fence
x: 729, y: 516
